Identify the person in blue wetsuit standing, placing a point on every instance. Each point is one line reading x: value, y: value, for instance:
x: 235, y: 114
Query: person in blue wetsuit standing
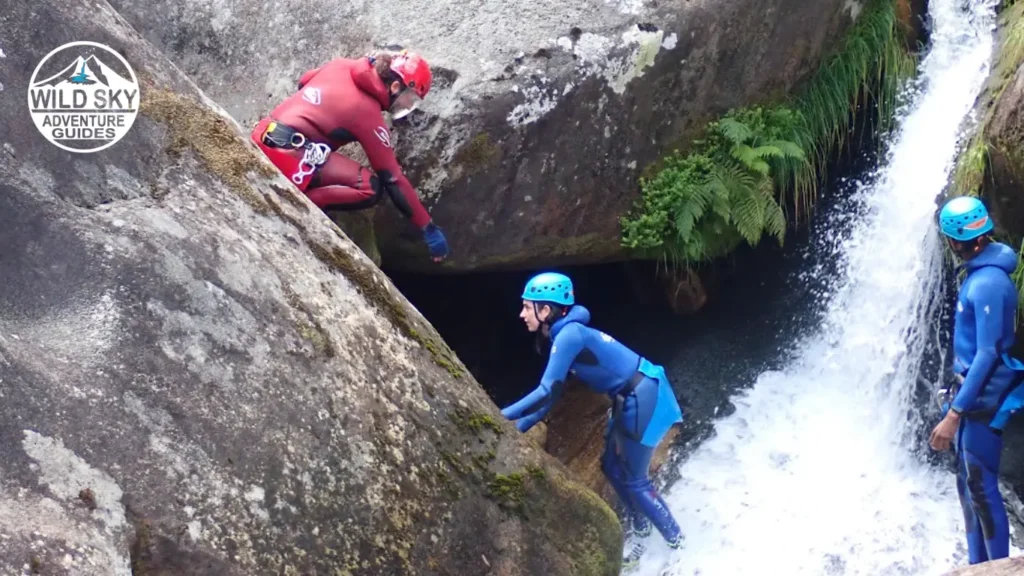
x: 644, y: 405
x: 988, y: 390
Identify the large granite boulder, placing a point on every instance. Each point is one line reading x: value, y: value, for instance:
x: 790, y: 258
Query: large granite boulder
x: 1005, y: 567
x: 544, y: 113
x: 199, y: 374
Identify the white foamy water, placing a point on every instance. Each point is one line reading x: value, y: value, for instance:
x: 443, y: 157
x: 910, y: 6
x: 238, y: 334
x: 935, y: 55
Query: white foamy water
x: 813, y: 473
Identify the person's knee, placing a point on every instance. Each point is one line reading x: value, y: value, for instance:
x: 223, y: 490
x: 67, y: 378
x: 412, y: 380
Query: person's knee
x: 976, y: 485
x: 370, y: 187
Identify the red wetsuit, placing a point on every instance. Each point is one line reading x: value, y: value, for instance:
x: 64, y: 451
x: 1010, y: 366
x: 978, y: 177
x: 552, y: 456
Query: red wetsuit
x: 339, y: 103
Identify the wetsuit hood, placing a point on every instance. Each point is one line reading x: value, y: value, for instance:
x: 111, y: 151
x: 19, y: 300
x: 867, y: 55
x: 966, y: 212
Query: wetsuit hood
x: 576, y: 314
x: 995, y: 254
x: 367, y: 79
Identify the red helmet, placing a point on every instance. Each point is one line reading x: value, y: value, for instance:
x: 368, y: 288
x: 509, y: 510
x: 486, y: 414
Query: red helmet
x: 413, y: 70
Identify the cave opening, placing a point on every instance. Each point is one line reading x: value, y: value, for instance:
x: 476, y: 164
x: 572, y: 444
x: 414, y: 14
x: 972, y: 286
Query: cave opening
x: 478, y: 313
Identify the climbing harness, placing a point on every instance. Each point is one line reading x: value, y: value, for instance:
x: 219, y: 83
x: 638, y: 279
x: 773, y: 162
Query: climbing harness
x: 314, y: 154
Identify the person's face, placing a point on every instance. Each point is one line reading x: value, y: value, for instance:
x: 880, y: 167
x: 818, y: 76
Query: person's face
x: 403, y: 101
x: 963, y: 250
x: 534, y: 315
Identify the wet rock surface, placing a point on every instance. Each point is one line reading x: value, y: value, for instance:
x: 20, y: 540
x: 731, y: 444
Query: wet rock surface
x: 543, y: 113
x: 199, y: 374
x: 576, y: 436
x: 1006, y: 567
x: 1005, y: 133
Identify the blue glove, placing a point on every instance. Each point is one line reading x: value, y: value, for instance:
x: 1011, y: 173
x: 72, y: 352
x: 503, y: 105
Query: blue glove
x: 434, y: 238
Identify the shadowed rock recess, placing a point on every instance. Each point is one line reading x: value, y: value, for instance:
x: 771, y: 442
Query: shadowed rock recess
x: 199, y: 375
x: 544, y: 113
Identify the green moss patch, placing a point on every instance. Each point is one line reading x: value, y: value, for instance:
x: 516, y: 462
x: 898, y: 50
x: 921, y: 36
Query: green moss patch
x: 474, y: 422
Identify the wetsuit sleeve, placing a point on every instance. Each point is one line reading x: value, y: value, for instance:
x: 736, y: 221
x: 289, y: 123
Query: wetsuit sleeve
x: 528, y: 421
x: 564, y: 350
x: 305, y: 78
x: 988, y: 317
x: 376, y: 142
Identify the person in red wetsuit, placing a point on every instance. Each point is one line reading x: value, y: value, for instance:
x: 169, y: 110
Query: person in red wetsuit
x: 339, y: 103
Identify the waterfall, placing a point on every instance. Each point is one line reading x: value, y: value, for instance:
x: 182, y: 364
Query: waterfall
x: 815, y: 472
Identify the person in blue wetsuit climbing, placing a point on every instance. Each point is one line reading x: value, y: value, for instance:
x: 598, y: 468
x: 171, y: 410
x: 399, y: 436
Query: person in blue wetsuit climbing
x: 644, y: 405
x: 987, y: 391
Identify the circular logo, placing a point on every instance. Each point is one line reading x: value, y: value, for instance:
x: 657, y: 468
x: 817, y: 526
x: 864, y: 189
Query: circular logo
x: 83, y: 97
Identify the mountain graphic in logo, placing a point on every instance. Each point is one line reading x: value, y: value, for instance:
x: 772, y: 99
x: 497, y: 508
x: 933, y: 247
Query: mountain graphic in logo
x: 89, y: 71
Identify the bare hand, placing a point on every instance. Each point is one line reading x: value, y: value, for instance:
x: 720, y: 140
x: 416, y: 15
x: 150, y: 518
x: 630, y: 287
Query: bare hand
x: 943, y: 434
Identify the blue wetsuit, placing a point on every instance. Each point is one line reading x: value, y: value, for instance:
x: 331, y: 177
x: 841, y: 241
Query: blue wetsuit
x: 983, y: 333
x: 645, y: 409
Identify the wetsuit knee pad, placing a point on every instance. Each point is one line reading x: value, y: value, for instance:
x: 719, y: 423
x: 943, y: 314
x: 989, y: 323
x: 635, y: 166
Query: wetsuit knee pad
x: 375, y: 186
x: 980, y: 485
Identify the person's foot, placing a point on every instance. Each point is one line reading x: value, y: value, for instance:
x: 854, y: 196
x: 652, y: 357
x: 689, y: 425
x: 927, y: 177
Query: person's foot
x: 632, y: 559
x: 676, y: 542
x: 641, y: 527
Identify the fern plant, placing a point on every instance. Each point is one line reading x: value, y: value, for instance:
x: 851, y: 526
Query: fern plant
x: 732, y: 184
x: 707, y: 203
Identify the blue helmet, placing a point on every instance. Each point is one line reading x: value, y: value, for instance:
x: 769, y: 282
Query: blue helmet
x: 964, y: 218
x: 550, y: 287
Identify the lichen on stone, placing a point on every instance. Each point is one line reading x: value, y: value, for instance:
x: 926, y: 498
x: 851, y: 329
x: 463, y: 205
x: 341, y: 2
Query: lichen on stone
x: 309, y: 328
x: 374, y: 290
